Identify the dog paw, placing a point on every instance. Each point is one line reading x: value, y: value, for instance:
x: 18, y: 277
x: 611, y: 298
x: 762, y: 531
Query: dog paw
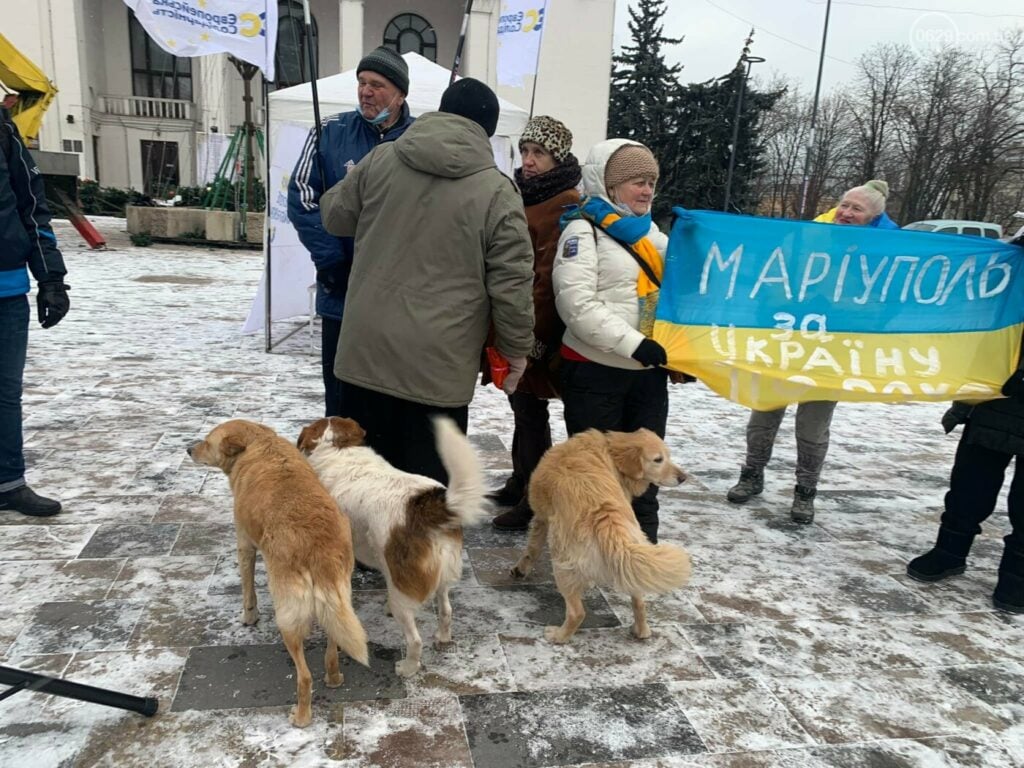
x: 333, y: 681
x: 250, y: 617
x: 641, y: 633
x: 300, y: 720
x: 407, y: 668
x: 521, y: 570
x: 444, y: 645
x: 556, y: 636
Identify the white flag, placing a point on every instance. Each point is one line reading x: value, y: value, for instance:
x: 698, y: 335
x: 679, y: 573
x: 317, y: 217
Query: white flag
x: 520, y: 28
x: 246, y: 29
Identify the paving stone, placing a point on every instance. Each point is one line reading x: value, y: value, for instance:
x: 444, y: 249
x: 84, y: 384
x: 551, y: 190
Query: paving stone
x: 530, y: 730
x: 131, y: 540
x: 225, y: 677
x: 98, y: 625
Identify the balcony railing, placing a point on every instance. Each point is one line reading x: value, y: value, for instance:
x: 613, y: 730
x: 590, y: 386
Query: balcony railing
x: 146, y: 106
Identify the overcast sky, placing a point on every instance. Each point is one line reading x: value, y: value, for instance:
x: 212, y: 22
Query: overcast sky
x: 788, y: 32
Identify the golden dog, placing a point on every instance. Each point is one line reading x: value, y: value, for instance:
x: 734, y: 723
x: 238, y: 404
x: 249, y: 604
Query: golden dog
x: 282, y: 510
x: 580, y: 494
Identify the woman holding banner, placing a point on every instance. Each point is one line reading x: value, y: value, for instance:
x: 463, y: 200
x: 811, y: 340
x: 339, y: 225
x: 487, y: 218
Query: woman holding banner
x: 860, y: 206
x: 606, y: 279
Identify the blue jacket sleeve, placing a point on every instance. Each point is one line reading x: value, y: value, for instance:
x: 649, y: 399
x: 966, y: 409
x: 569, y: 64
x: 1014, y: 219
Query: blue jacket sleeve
x: 304, y: 190
x: 44, y: 258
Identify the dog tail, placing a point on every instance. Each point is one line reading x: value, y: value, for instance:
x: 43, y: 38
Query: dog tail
x: 466, y: 495
x: 333, y: 605
x: 639, y: 567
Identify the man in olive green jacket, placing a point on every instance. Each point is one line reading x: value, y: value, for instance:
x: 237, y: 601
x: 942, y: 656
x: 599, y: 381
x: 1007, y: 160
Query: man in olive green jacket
x: 442, y: 251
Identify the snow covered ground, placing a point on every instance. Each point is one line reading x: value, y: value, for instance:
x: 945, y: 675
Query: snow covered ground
x: 792, y: 646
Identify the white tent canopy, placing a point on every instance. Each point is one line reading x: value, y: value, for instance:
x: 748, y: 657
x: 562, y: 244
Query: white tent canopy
x: 291, y: 116
x: 337, y: 93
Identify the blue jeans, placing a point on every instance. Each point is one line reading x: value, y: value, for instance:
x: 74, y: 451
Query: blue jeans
x: 14, y: 320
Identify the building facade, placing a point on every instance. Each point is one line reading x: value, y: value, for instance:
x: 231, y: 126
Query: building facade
x: 138, y: 117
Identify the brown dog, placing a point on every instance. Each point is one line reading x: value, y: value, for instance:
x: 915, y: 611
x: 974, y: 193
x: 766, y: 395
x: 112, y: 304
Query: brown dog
x: 282, y: 510
x: 580, y: 494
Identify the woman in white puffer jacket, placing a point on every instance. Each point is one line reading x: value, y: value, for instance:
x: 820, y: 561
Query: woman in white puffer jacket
x: 609, y: 255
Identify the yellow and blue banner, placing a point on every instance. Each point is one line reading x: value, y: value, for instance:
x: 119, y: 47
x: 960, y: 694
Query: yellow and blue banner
x: 769, y: 312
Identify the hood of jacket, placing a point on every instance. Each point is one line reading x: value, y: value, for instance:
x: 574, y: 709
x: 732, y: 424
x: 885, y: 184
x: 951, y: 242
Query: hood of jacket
x: 597, y: 160
x: 445, y: 145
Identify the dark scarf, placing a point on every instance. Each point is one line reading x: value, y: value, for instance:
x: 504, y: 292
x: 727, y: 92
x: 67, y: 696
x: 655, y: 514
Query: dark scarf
x: 563, y: 176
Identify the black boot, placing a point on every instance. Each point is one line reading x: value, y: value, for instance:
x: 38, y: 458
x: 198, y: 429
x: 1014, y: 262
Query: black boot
x: 1009, y: 594
x: 802, y: 510
x: 751, y: 483
x: 516, y: 519
x: 23, y: 499
x: 509, y: 494
x: 947, y: 558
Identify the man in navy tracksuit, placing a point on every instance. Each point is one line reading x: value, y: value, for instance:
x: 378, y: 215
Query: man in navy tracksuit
x: 26, y: 240
x: 345, y: 139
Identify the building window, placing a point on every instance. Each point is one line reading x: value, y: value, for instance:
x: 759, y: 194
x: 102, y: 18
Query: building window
x: 72, y: 145
x: 155, y: 72
x: 291, y: 59
x: 159, y: 167
x: 409, y: 32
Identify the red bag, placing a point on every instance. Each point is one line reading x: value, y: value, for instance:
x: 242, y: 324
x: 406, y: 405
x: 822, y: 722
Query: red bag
x: 499, y: 366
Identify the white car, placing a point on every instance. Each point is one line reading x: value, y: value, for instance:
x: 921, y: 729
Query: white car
x: 958, y: 227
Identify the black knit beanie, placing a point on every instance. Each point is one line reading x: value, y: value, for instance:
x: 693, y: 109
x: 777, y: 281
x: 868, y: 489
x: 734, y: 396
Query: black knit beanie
x: 473, y: 100
x: 386, y: 62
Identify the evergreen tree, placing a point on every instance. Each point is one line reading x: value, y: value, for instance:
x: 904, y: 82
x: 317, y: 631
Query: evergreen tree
x: 707, y: 112
x: 645, y: 92
x: 688, y: 128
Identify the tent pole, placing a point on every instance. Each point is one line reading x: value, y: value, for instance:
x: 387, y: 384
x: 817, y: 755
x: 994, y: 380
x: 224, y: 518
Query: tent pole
x: 311, y: 57
x: 267, y: 239
x: 457, y: 63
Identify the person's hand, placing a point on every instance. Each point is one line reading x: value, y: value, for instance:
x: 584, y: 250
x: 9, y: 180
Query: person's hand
x: 516, y: 368
x: 1014, y: 386
x: 950, y: 420
x: 650, y: 354
x: 52, y: 302
x: 328, y: 277
x: 678, y: 377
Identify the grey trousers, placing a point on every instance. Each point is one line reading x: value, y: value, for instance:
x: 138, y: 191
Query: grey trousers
x: 812, y: 434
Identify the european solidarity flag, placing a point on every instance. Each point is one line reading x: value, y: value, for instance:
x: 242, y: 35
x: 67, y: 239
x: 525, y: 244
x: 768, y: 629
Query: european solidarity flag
x: 769, y: 312
x: 244, y: 28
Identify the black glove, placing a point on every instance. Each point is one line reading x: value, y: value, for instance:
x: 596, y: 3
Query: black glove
x: 650, y: 354
x: 52, y: 302
x: 1014, y: 386
x: 332, y: 278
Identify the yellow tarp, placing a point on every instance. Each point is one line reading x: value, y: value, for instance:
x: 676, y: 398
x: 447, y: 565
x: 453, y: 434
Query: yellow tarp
x: 35, y: 91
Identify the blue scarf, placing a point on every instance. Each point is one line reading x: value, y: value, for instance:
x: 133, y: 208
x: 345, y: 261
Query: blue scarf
x: 626, y: 229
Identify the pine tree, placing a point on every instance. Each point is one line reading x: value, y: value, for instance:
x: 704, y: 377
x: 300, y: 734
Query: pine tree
x: 645, y: 92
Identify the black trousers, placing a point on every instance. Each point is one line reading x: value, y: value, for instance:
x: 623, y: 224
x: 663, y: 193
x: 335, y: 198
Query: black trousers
x: 401, y: 430
x: 532, y: 435
x: 600, y: 397
x: 974, y: 486
x: 333, y: 386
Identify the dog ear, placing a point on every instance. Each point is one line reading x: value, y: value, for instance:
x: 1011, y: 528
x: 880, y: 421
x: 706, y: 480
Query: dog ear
x: 231, y: 445
x: 628, y: 458
x: 307, y: 440
x: 347, y: 432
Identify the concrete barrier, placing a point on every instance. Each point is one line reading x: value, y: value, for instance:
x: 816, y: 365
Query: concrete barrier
x: 159, y: 221
x: 222, y: 226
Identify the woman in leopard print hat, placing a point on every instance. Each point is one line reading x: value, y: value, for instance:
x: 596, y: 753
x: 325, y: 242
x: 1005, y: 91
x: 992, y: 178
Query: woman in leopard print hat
x: 547, y: 181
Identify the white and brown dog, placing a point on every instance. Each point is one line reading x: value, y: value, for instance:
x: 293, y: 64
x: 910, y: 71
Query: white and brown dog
x: 407, y: 526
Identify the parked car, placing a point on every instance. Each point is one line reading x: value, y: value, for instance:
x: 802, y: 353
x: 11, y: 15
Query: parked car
x: 958, y: 227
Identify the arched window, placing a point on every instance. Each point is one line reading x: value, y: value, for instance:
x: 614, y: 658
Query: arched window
x: 291, y: 60
x: 409, y: 32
